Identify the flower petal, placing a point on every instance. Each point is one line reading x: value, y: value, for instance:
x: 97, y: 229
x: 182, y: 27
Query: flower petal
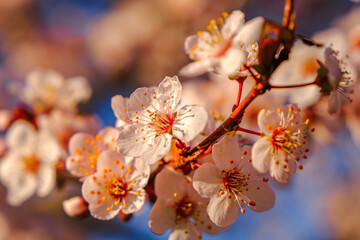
x: 172, y: 89
x: 222, y: 211
x: 162, y: 217
x: 170, y: 185
x: 196, y: 68
x: 118, y: 105
x: 189, y: 122
x: 207, y: 180
x: 46, y: 179
x: 262, y: 155
x: 134, y: 202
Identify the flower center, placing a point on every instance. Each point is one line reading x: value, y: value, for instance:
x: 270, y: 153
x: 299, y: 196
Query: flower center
x: 162, y: 122
x: 117, y: 188
x: 184, y: 208
x: 32, y: 164
x: 234, y: 181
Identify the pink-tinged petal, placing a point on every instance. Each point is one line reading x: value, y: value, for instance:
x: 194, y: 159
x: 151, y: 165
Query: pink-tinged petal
x: 140, y: 99
x: 251, y: 31
x: 262, y: 155
x: 159, y: 147
x: 203, y: 223
x: 106, y: 210
x: 80, y: 142
x: 268, y: 121
x: 22, y: 136
x: 261, y: 195
x: 226, y: 153
x: 140, y: 172
x: 46, y: 179
x: 244, y: 156
x: 196, y: 68
x: 170, y: 185
x: 162, y: 217
x: 233, y: 23
x: 231, y: 62
x: 79, y: 165
x: 21, y: 188
x: 5, y: 119
x: 189, y: 122
x: 172, y: 89
x: 130, y: 141
x: 222, y: 211
x: 185, y: 231
x: 334, y: 102
x: 119, y: 105
x: 91, y: 187
x: 78, y: 90
x: 133, y: 201
x: 109, y: 159
x: 278, y: 172
x: 75, y: 206
x: 48, y: 148
x: 207, y: 180
x: 109, y: 136
x: 189, y: 45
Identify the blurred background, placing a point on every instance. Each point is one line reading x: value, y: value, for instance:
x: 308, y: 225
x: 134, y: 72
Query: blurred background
x: 121, y: 45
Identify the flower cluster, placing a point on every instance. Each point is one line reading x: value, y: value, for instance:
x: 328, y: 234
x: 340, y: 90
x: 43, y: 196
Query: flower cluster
x: 198, y: 164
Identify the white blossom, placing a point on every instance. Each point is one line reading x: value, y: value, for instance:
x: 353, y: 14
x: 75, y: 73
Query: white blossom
x: 117, y: 185
x: 282, y: 143
x: 157, y: 116
x: 231, y: 182
x: 28, y: 167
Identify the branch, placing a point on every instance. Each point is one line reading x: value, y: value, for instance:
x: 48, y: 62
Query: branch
x: 289, y: 15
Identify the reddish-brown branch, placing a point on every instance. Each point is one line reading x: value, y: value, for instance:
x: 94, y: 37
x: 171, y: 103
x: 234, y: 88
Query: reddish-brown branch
x: 229, y: 125
x: 248, y: 131
x: 294, y: 86
x: 289, y: 15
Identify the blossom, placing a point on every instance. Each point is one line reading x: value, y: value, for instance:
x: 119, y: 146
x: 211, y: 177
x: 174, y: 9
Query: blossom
x: 28, y: 167
x: 179, y: 207
x: 339, y: 80
x: 230, y: 182
x: 225, y: 47
x: 117, y: 185
x: 47, y: 89
x: 282, y: 143
x: 157, y: 116
x: 84, y: 150
x: 75, y: 206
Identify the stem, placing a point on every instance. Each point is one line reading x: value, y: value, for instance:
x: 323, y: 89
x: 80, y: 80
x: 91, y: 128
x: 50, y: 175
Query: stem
x: 248, y: 131
x: 239, y: 93
x: 229, y: 125
x: 289, y: 15
x: 293, y: 86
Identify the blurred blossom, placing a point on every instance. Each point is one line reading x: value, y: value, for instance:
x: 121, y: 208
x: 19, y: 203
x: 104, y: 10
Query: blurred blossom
x: 47, y: 89
x: 75, y: 206
x: 29, y: 165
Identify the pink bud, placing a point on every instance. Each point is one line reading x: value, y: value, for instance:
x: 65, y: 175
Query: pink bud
x: 75, y: 206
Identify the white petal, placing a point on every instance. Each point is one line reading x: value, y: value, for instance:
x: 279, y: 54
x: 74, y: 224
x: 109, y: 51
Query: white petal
x: 278, y: 172
x: 159, y: 147
x: 48, y: 147
x: 268, y: 121
x: 196, y: 68
x: 233, y: 24
x: 262, y: 155
x: 189, y: 44
x: 185, y: 231
x: 250, y: 32
x: 231, y: 62
x: 100, y: 211
x: 22, y: 136
x: 189, y: 122
x: 207, y: 180
x: 118, y: 105
x: 141, y: 172
x: 226, y: 153
x: 222, y: 211
x: 109, y: 159
x: 130, y: 141
x: 140, y: 99
x: 261, y: 194
x: 134, y: 202
x: 171, y: 87
x: 109, y: 135
x: 21, y: 188
x: 162, y: 217
x: 203, y: 223
x: 46, y: 179
x: 170, y: 185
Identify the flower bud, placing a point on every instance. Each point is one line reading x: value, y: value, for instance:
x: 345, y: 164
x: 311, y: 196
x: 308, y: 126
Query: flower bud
x: 75, y: 207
